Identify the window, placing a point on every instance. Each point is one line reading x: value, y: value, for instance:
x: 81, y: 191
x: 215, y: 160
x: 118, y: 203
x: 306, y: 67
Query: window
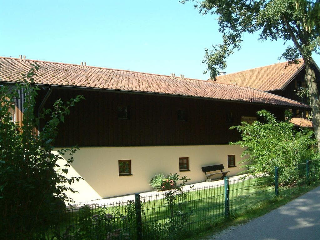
x: 300, y: 84
x: 229, y: 117
x: 123, y: 112
x: 231, y: 161
x: 124, y: 167
x: 184, y: 164
x: 182, y: 115
x: 307, y: 114
x: 249, y: 120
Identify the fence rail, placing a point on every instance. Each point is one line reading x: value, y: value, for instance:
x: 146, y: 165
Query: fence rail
x: 157, y: 217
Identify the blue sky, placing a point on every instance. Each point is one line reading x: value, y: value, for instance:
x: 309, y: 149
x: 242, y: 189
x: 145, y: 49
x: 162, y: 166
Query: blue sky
x: 160, y: 37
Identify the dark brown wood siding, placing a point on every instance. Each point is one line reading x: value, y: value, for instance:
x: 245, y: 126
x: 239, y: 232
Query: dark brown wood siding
x: 290, y: 91
x: 152, y: 119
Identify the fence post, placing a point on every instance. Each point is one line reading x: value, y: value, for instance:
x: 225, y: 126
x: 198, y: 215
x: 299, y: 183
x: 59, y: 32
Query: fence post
x: 226, y: 197
x: 307, y: 172
x: 276, y: 181
x: 137, y: 204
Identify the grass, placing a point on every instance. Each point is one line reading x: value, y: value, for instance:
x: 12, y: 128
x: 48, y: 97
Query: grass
x: 201, y: 213
x: 260, y: 209
x: 206, y: 206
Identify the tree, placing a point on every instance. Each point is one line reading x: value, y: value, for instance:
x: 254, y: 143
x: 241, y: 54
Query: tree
x: 295, y: 21
x: 269, y: 144
x: 32, y: 192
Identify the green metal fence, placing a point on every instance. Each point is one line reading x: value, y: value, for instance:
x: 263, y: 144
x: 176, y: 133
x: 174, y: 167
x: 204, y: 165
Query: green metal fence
x: 156, y: 217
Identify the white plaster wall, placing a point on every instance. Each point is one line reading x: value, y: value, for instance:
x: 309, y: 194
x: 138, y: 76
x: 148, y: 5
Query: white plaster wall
x: 86, y: 192
x: 99, y: 166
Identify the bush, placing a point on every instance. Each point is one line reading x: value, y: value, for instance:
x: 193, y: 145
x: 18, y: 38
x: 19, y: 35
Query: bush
x: 272, y: 143
x: 32, y: 193
x: 161, y: 182
x: 95, y: 222
x: 156, y: 181
x: 175, y: 196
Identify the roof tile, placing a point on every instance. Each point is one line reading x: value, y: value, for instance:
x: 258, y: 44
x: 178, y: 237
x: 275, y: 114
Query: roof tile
x: 62, y: 74
x: 267, y: 78
x: 301, y: 122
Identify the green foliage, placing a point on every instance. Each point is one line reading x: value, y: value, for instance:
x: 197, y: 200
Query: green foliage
x: 91, y: 222
x: 179, y: 215
x: 156, y: 181
x: 272, y: 143
x: 175, y: 196
x: 201, y: 210
x: 31, y: 191
x: 163, y: 182
x: 294, y: 21
x: 291, y: 20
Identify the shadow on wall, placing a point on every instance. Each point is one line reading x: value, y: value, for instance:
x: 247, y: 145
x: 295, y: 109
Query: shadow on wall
x: 85, y: 191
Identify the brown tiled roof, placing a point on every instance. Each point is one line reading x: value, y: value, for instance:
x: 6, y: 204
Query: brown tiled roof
x: 61, y: 74
x: 301, y: 122
x: 268, y: 78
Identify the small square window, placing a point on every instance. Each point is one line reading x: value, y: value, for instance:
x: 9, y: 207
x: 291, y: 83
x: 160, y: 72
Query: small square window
x: 247, y: 119
x: 124, y: 167
x: 184, y: 164
x: 231, y: 161
x: 123, y: 112
x: 182, y: 115
x: 229, y: 117
x: 307, y: 114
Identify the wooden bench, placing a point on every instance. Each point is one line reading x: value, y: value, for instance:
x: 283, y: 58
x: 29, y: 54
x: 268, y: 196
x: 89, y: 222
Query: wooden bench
x: 212, y: 170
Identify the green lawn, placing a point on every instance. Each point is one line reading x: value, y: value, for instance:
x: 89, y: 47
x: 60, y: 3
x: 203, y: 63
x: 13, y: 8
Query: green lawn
x: 198, y: 212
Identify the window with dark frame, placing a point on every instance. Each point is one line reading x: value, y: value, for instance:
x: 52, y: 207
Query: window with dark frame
x: 123, y: 112
x: 184, y: 164
x: 124, y: 167
x: 300, y: 84
x: 229, y: 117
x: 182, y: 115
x: 231, y: 161
x: 248, y: 119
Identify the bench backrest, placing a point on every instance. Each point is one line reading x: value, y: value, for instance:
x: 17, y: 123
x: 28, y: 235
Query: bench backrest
x: 213, y: 168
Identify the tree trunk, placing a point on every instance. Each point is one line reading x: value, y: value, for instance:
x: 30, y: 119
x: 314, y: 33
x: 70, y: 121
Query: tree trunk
x: 312, y: 84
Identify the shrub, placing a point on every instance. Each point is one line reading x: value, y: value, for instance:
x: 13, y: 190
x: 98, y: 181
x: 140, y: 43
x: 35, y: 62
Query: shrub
x: 175, y: 197
x: 32, y: 193
x: 272, y: 143
x: 94, y: 222
x: 161, y: 182
x: 156, y: 181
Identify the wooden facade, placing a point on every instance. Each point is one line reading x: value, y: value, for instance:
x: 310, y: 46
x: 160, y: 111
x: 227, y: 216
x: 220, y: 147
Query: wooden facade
x: 152, y: 119
x: 291, y: 90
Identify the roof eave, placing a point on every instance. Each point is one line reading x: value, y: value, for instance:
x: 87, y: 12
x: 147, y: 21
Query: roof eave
x: 291, y: 79
x: 184, y: 96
